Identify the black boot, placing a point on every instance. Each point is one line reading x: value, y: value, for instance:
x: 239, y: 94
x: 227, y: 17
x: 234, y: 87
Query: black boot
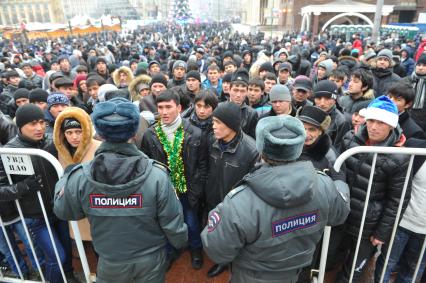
x: 216, y: 269
x: 197, y: 258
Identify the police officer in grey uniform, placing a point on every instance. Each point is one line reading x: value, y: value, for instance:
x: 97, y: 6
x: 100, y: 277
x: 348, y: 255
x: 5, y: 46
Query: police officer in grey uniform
x: 127, y: 197
x: 269, y: 225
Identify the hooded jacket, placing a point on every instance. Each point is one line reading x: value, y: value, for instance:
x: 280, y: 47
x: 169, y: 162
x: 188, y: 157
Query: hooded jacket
x: 348, y: 104
x: 116, y: 76
x: 386, y: 189
x: 349, y: 62
x: 129, y: 201
x: 270, y: 224
x: 87, y: 147
x: 133, y: 86
x: 383, y: 79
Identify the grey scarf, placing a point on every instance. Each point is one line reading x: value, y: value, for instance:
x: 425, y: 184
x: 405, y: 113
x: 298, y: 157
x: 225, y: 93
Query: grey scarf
x: 171, y: 128
x: 419, y: 81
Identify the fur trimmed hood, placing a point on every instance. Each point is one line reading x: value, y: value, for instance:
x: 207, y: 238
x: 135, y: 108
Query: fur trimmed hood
x: 86, y: 142
x: 116, y: 75
x: 142, y: 79
x: 368, y: 95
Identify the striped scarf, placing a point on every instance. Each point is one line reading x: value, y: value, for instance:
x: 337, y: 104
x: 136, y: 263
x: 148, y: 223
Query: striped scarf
x: 419, y: 81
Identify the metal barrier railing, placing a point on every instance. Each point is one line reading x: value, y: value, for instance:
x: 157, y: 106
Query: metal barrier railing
x: 17, y: 161
x: 327, y: 231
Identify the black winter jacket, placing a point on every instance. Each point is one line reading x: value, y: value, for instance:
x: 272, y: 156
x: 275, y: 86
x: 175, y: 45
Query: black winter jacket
x: 410, y: 129
x: 227, y: 166
x: 8, y: 129
x: 322, y: 154
x: 386, y: 189
x: 194, y: 157
x: 383, y: 79
x: 338, y: 128
x: 249, y: 120
x: 29, y: 202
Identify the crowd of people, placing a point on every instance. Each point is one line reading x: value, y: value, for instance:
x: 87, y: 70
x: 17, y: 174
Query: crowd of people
x: 175, y: 137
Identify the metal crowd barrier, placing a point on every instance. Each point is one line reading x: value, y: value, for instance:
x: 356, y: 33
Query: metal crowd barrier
x: 20, y: 161
x: 337, y: 165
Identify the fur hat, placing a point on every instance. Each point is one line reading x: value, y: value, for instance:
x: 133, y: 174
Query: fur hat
x: 116, y: 120
x: 280, y: 138
x: 314, y: 116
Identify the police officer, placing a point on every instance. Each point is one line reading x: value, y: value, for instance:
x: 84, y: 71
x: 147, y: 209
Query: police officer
x: 269, y: 225
x: 128, y: 199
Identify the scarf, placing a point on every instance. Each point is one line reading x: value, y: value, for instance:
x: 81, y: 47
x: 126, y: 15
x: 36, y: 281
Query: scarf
x: 419, y: 100
x: 170, y: 129
x: 201, y: 124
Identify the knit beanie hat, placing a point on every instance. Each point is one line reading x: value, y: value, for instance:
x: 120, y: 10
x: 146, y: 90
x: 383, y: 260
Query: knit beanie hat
x: 382, y: 109
x: 194, y: 74
x: 116, y: 120
x: 78, y: 79
x: 230, y: 114
x: 38, y: 95
x: 101, y: 60
x: 158, y: 78
x: 385, y: 53
x: 267, y: 66
x: 369, y: 55
x: 179, y: 63
x: 28, y: 113
x: 279, y: 92
x: 241, y: 75
x: 327, y: 65
x: 103, y: 89
x: 422, y: 59
x: 71, y: 123
x: 21, y: 93
x: 325, y: 88
x: 226, y: 78
x: 280, y: 138
x: 57, y: 98
x: 314, y: 116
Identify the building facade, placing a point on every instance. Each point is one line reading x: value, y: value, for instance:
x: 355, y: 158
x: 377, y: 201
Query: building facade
x: 14, y: 12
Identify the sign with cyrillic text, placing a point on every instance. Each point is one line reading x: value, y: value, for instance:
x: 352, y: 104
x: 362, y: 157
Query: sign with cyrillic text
x: 17, y: 164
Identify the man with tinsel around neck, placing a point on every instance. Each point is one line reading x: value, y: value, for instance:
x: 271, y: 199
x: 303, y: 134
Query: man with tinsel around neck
x: 175, y: 142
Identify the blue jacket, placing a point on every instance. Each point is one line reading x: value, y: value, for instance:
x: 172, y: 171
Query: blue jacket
x: 207, y: 85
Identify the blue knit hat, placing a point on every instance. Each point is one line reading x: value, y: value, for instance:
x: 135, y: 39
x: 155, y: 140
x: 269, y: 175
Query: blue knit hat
x: 57, y: 98
x: 280, y: 138
x: 116, y: 120
x: 382, y: 109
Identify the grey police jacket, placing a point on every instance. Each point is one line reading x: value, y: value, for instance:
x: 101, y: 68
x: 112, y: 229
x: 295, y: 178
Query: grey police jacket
x: 129, y: 201
x: 274, y: 219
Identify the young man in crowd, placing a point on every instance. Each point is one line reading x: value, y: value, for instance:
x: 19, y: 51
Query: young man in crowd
x: 270, y: 79
x: 56, y: 103
x: 403, y: 96
x: 31, y: 76
x: 32, y: 134
x: 232, y: 155
x: 38, y: 97
x: 381, y: 129
x: 21, y: 97
x: 178, y: 144
x: 284, y: 75
x: 178, y: 70
x: 339, y: 78
x: 302, y: 91
x: 238, y: 95
x: 325, y: 94
x: 383, y: 72
x: 257, y: 98
x: 280, y: 99
x: 157, y: 85
x: 213, y: 80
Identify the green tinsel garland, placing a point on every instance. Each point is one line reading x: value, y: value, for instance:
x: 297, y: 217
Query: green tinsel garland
x: 174, y: 157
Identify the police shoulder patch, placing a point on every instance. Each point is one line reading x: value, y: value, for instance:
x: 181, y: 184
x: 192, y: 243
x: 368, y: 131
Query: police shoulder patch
x: 235, y: 191
x: 214, y: 220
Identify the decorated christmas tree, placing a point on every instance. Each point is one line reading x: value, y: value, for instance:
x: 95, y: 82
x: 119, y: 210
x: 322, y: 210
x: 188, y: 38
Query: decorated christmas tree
x: 181, y: 11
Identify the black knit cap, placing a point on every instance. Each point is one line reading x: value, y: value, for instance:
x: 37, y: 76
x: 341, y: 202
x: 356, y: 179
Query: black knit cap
x: 38, y: 95
x: 194, y: 74
x: 230, y: 114
x: 28, y: 113
x: 422, y: 59
x: 227, y: 78
x: 158, y: 78
x: 21, y: 93
x: 326, y: 88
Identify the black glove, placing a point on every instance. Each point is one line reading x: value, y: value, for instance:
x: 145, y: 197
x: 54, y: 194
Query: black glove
x: 30, y: 184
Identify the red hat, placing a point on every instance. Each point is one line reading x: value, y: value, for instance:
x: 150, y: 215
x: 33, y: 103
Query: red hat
x: 78, y: 79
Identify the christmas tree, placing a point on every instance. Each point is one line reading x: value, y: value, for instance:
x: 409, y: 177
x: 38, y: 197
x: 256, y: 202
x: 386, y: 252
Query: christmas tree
x: 181, y: 11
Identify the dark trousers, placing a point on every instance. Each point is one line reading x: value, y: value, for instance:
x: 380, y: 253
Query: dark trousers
x: 342, y: 250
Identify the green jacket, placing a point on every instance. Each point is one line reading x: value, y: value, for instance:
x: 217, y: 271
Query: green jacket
x: 129, y: 200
